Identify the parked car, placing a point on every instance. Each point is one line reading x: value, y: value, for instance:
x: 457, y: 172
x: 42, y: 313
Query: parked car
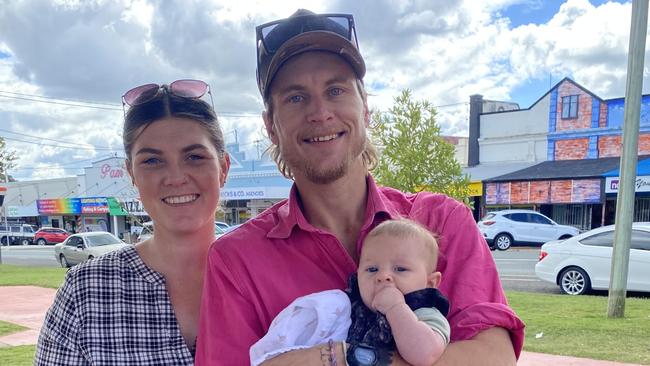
x: 584, y: 262
x: 13, y: 234
x: 81, y: 247
x: 501, y: 229
x: 222, y: 225
x: 50, y: 235
x: 233, y: 227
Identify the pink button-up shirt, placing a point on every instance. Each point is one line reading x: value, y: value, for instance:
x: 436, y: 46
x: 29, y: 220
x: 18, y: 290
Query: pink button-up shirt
x: 257, y: 270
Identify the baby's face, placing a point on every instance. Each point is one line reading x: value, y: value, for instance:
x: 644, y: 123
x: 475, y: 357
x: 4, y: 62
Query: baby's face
x: 391, y: 261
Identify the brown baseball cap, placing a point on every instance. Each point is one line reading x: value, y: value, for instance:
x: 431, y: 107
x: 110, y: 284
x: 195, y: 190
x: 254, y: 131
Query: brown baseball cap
x: 305, y: 31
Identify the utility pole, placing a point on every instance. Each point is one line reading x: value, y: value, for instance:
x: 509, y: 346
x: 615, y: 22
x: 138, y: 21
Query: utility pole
x: 4, y: 206
x: 626, y: 188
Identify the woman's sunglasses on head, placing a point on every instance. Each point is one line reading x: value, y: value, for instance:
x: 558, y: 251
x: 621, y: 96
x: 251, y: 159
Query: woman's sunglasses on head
x: 193, y: 89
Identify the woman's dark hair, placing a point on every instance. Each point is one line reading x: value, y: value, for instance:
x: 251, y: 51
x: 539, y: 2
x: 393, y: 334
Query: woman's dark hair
x: 164, y: 105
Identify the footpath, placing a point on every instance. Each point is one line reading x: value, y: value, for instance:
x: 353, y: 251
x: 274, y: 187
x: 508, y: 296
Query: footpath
x: 26, y: 306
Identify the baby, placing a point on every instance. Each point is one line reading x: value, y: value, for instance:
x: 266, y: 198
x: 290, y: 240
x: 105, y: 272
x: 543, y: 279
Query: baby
x: 392, y: 303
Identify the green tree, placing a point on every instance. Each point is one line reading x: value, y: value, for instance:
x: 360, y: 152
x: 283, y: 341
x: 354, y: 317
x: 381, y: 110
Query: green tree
x: 414, y: 157
x: 7, y: 159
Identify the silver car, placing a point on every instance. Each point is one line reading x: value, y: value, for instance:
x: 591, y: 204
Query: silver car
x: 81, y: 247
x: 503, y: 228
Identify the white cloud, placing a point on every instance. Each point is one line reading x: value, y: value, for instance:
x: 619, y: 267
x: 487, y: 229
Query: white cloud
x: 443, y: 50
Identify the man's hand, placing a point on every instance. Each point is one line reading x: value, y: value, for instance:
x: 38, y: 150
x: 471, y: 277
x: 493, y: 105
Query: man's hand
x: 386, y: 298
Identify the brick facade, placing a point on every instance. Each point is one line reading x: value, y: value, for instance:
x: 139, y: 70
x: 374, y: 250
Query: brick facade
x: 602, y: 119
x: 610, y: 146
x: 584, y: 108
x: 543, y: 192
x: 561, y: 191
x: 572, y: 149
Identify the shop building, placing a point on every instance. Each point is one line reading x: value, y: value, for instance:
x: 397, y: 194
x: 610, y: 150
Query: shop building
x: 103, y: 197
x: 573, y: 137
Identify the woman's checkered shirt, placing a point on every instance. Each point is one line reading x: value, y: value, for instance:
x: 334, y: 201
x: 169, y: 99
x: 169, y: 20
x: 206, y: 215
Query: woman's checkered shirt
x: 112, y: 310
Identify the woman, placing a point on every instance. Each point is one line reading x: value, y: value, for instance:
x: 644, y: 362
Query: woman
x: 140, y: 305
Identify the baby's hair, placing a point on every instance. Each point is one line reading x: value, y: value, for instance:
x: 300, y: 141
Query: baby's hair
x: 405, y: 228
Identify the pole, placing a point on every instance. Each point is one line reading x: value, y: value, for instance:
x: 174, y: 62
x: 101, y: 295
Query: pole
x: 626, y: 188
x: 6, y: 212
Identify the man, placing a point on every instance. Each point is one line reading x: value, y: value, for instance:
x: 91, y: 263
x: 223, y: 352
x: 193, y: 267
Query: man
x: 310, y: 75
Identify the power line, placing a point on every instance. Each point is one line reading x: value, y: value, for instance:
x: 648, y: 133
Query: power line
x: 96, y: 105
x: 69, y: 100
x: 49, y: 139
x: 59, y: 146
x: 60, y: 103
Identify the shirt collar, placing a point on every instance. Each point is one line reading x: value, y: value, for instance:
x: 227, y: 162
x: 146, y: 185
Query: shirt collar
x: 290, y: 214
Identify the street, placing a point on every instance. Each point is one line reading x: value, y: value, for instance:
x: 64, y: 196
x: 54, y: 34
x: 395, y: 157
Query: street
x: 516, y: 266
x: 30, y: 255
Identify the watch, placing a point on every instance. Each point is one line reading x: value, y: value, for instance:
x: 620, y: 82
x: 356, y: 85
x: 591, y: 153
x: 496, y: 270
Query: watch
x: 365, y: 355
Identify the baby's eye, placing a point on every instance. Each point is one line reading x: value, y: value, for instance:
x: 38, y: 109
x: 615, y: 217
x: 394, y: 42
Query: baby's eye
x: 371, y: 269
x: 401, y: 269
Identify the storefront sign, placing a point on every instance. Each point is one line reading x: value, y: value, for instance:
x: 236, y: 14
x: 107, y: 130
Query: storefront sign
x: 109, y: 171
x: 22, y: 211
x: 642, y: 184
x: 132, y: 206
x: 475, y: 189
x: 244, y: 193
x: 78, y: 206
x: 59, y: 206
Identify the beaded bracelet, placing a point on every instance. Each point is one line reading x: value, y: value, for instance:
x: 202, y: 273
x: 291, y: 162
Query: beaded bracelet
x: 332, y: 353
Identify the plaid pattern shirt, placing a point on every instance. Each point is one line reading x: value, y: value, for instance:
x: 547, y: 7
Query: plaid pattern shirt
x: 113, y: 310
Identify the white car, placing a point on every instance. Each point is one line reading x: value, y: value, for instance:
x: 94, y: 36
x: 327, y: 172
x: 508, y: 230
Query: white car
x: 81, y: 247
x: 503, y: 228
x: 584, y: 262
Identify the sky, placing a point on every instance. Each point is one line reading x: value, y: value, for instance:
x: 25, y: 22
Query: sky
x: 64, y: 65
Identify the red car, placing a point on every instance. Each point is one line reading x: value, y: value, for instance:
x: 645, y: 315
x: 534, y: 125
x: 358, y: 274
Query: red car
x: 50, y: 235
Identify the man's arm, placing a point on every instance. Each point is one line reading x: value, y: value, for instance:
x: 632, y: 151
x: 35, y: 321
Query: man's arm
x: 491, y: 347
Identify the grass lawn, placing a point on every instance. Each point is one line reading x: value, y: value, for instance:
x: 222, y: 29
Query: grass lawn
x: 578, y: 326
x: 17, y: 356
x: 11, y: 275
x: 8, y: 328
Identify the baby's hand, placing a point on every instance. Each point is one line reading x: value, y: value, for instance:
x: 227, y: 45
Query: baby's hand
x: 386, y: 298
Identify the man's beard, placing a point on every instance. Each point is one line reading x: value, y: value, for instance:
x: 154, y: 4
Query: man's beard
x: 315, y: 174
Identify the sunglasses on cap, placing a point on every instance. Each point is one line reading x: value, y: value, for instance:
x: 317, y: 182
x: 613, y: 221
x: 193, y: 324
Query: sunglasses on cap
x: 279, y: 40
x: 187, y: 88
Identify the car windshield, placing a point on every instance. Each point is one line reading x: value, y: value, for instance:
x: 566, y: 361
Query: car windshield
x: 99, y: 240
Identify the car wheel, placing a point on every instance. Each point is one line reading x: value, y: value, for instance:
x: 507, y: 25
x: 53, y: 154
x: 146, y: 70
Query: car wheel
x: 25, y: 241
x: 503, y: 241
x: 574, y: 281
x: 64, y: 262
x: 3, y: 241
x: 41, y: 241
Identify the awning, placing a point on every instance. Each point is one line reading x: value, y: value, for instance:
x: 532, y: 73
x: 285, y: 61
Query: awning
x: 642, y: 169
x: 562, y: 169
